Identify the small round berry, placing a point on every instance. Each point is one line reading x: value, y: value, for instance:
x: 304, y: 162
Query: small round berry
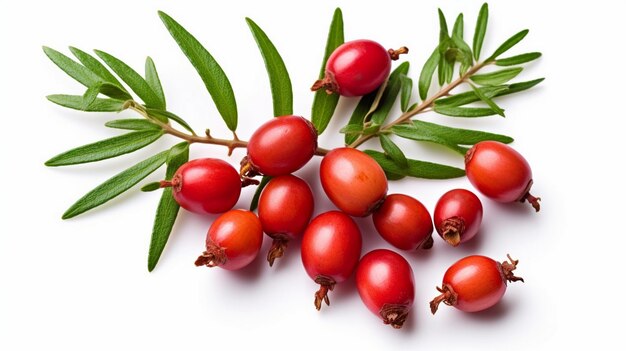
x: 458, y: 215
x: 404, y: 223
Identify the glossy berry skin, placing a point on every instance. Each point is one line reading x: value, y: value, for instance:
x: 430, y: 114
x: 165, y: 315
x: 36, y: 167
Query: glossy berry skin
x: 285, y: 209
x: 458, y: 215
x: 331, y: 247
x: 280, y: 146
x: 404, y: 223
x: 353, y: 181
x: 356, y: 68
x: 386, y: 285
x: 475, y: 283
x: 206, y: 185
x: 500, y: 173
x: 233, y: 241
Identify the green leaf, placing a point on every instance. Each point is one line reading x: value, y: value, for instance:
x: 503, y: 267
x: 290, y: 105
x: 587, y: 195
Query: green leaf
x: 458, y: 26
x: 358, y: 116
x: 257, y: 193
x: 132, y: 124
x: 76, y: 102
x: 90, y: 95
x: 427, y: 73
x: 98, y: 68
x: 116, y: 185
x: 390, y: 94
x: 521, y: 86
x: 152, y: 78
x: 324, y: 104
x: 509, y: 43
x: 453, y: 111
x: 518, y: 59
x: 469, y: 96
x: 421, y: 130
x: 106, y: 148
x: 280, y: 83
x: 164, y: 116
x: 443, y: 26
x: 487, y: 100
x: 132, y: 78
x: 212, y: 75
x: 393, y: 151
x: 416, y: 168
x: 167, y: 210
x: 497, y: 77
x: 151, y: 187
x: 75, y: 70
x: 407, y: 90
x: 481, y: 29
x: 410, y: 132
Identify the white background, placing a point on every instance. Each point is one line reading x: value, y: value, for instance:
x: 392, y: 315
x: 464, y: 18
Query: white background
x: 82, y: 284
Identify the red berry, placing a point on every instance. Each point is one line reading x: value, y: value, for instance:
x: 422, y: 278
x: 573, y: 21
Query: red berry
x: 285, y: 208
x: 475, y: 283
x: 353, y: 181
x: 331, y: 247
x: 205, y: 185
x: 280, y: 146
x: 500, y: 173
x: 386, y: 286
x: 357, y: 68
x: 233, y: 241
x: 458, y: 215
x: 404, y: 222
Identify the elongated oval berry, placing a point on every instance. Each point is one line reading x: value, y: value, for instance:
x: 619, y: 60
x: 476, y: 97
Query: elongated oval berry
x: 233, y: 241
x: 280, y: 146
x: 500, y: 173
x: 331, y: 247
x: 205, y: 185
x: 404, y: 223
x: 357, y: 68
x: 458, y: 215
x: 353, y: 181
x: 285, y: 208
x: 386, y: 285
x: 475, y: 283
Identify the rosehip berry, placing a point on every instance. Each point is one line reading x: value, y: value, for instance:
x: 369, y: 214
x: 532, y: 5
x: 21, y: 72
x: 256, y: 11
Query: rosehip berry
x: 285, y: 208
x: 280, y: 146
x: 331, y: 247
x: 458, y: 215
x: 353, y: 181
x: 357, y: 68
x: 233, y: 241
x: 500, y: 173
x: 205, y: 185
x: 404, y: 222
x: 385, y: 283
x: 475, y: 283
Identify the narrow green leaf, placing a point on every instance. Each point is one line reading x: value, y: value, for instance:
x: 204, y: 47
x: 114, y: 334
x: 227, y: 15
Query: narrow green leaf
x: 416, y: 168
x: 481, y: 29
x: 496, y: 78
x: 131, y: 124
x: 116, y: 185
x: 324, y: 104
x: 98, y: 68
x: 358, y: 116
x: 452, y: 135
x: 166, y: 115
x: 390, y: 94
x: 76, y: 102
x: 443, y: 26
x: 509, y: 43
x: 487, y: 101
x: 280, y: 83
x: 134, y: 80
x: 393, y: 151
x: 257, y: 193
x: 413, y: 133
x: 444, y: 65
x: 458, y: 26
x: 90, y: 95
x: 212, y: 75
x: 151, y: 187
x: 152, y: 78
x: 167, y: 210
x: 518, y: 59
x: 351, y: 129
x: 521, y: 86
x: 405, y: 94
x: 469, y: 96
x: 464, y: 111
x: 106, y: 148
x: 75, y: 70
x: 426, y: 75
